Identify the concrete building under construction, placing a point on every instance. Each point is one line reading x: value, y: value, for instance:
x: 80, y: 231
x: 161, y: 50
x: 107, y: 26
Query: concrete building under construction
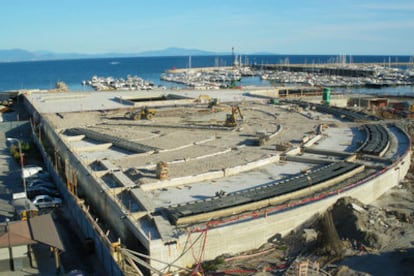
x: 208, y: 174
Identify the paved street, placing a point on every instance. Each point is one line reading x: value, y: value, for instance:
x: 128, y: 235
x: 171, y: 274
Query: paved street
x: 75, y: 256
x: 11, y: 182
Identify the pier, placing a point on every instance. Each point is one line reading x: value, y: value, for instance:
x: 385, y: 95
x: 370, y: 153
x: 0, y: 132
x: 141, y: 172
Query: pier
x: 340, y: 69
x: 371, y: 75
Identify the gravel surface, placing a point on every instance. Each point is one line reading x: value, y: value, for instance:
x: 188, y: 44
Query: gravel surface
x: 195, y: 135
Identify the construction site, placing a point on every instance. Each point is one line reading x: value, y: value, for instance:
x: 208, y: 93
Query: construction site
x: 169, y: 180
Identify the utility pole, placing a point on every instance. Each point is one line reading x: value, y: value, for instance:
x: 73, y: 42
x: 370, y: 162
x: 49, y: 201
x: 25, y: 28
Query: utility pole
x: 9, y: 245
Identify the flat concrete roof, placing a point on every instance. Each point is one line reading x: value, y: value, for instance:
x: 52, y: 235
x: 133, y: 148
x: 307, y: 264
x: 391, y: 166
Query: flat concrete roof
x: 61, y: 102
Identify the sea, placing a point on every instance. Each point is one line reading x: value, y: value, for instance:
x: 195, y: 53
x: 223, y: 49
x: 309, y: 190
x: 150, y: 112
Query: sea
x: 45, y: 74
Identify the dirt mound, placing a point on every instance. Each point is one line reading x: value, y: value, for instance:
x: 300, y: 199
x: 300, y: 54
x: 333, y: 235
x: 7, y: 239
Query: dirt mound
x: 347, y: 225
x: 368, y: 225
x: 346, y: 271
x: 351, y: 219
x: 328, y: 242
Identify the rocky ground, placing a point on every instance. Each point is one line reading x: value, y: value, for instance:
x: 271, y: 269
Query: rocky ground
x: 349, y: 239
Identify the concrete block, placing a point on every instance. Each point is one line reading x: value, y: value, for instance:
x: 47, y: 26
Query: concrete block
x: 181, y: 181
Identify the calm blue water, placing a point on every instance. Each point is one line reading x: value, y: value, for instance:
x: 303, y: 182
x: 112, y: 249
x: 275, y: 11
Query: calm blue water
x: 45, y: 74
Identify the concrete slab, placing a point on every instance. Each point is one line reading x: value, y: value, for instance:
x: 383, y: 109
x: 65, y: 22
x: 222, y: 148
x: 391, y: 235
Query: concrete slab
x: 182, y: 137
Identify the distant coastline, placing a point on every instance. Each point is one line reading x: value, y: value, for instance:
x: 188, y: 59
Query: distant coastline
x: 21, y: 55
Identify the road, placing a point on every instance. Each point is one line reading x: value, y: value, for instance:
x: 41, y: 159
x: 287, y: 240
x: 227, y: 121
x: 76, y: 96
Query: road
x: 76, y: 254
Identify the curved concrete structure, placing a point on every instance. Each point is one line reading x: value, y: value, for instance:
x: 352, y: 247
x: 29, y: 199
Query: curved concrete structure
x: 225, y: 193
x: 252, y: 229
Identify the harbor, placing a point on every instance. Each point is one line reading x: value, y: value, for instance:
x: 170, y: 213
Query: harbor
x: 330, y: 75
x: 121, y: 84
x: 340, y: 75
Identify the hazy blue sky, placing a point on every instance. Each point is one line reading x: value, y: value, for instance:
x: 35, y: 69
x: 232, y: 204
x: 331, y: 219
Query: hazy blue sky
x: 285, y: 27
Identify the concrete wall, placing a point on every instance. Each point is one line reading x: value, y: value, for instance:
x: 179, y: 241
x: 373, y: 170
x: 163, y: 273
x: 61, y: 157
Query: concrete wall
x: 85, y: 177
x: 20, y: 258
x: 252, y: 232
x: 4, y: 259
x: 294, y: 151
x: 250, y: 166
x: 178, y: 181
x: 335, y: 101
x: 313, y: 140
x: 78, y: 215
x: 266, y: 93
x: 181, y: 180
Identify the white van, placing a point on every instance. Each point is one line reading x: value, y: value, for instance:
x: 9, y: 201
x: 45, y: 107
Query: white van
x: 31, y: 170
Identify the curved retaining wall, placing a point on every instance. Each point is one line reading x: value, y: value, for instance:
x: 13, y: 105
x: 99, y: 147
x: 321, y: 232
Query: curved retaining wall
x: 262, y: 197
x: 231, y: 236
x: 256, y: 228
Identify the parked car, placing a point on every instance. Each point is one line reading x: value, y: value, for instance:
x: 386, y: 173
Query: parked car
x: 35, y: 191
x: 40, y: 182
x: 31, y: 170
x: 76, y: 272
x: 46, y: 201
x: 39, y: 175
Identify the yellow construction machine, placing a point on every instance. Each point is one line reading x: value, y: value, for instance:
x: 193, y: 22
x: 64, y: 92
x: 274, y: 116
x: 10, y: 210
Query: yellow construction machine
x: 143, y: 114
x: 213, y: 102
x: 231, y: 118
x: 203, y: 98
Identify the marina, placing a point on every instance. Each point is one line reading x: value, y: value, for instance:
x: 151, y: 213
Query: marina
x: 330, y: 75
x: 340, y: 75
x: 110, y: 83
x: 205, y: 80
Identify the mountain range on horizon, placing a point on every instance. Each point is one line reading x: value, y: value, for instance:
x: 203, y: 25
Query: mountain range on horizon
x: 16, y: 55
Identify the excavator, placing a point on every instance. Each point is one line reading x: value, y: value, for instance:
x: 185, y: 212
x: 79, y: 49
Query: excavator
x: 231, y: 118
x: 207, y: 99
x: 145, y: 114
x: 213, y: 102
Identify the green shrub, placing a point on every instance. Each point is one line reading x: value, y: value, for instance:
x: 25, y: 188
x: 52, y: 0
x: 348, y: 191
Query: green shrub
x: 213, y: 265
x: 25, y: 146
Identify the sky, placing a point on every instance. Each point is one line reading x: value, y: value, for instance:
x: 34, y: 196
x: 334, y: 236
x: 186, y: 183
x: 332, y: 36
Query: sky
x: 349, y: 27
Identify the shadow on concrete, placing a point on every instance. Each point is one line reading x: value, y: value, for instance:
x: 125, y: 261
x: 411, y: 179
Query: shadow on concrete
x: 399, y: 262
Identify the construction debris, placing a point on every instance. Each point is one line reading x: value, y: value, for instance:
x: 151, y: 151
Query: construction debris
x: 162, y: 170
